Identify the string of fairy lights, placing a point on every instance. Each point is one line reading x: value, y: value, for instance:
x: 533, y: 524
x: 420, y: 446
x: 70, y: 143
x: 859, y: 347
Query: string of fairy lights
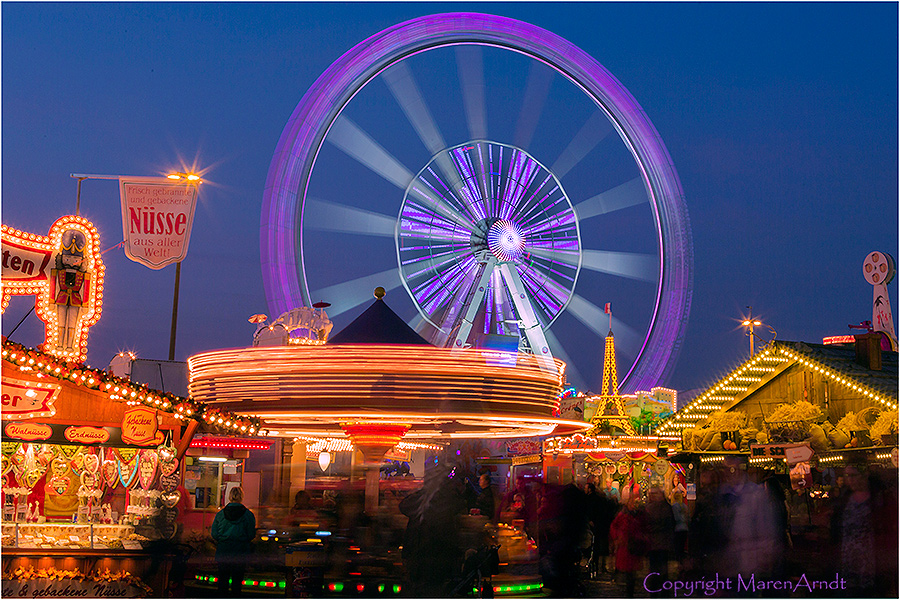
x: 752, y: 373
x: 120, y: 389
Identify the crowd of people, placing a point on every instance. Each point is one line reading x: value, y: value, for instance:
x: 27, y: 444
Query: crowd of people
x: 739, y: 524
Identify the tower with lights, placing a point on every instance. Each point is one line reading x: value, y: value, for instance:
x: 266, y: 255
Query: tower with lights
x: 610, y: 407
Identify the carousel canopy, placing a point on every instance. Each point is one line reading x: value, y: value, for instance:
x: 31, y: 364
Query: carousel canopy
x: 378, y: 324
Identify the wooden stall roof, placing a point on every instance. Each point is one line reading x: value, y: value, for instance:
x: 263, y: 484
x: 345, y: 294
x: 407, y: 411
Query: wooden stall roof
x: 839, y: 365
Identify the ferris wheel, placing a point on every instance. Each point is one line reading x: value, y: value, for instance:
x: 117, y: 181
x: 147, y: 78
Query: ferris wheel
x: 501, y: 177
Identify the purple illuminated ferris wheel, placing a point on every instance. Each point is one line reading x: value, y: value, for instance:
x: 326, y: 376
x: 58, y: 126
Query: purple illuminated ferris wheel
x: 501, y: 177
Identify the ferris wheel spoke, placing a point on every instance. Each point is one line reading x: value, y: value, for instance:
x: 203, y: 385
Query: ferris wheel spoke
x: 554, y: 253
x: 553, y: 225
x: 454, y: 307
x: 470, y: 65
x: 596, y: 320
x: 347, y: 136
x: 521, y: 176
x: 573, y: 376
x: 643, y: 267
x: 350, y: 294
x: 429, y: 198
x: 429, y: 226
x: 537, y: 89
x: 433, y: 268
x: 549, y: 294
x: 323, y: 215
x: 630, y: 193
x: 403, y: 87
x: 591, y: 133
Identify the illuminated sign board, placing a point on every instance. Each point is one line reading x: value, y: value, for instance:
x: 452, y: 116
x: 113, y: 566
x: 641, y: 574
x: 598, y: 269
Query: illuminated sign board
x: 64, y: 271
x: 157, y: 216
x: 140, y: 427
x: 26, y: 399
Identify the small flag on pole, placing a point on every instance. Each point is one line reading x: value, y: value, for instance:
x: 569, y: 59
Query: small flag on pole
x: 607, y: 309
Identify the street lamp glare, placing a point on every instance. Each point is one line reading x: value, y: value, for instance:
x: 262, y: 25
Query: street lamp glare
x: 189, y: 176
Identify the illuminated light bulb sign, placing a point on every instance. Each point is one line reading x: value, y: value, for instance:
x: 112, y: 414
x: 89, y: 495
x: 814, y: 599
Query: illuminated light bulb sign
x: 65, y: 272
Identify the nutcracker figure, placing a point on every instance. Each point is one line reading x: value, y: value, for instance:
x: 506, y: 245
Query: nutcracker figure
x: 70, y: 289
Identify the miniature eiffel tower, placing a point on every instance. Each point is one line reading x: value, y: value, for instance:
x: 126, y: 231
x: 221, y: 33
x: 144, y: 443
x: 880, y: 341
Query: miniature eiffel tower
x: 610, y: 408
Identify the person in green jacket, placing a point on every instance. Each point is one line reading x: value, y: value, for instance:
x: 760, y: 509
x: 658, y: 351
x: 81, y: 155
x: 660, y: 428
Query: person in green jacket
x: 233, y: 529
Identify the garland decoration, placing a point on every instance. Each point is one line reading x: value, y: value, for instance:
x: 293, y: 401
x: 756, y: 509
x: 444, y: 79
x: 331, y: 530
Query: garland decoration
x: 124, y: 390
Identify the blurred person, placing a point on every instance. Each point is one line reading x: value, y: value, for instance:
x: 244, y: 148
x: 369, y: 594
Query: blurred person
x: 302, y: 511
x: 563, y: 527
x: 748, y: 520
x: 864, y: 525
x: 431, y: 543
x: 601, y: 511
x: 486, y: 501
x: 233, y: 528
x: 707, y: 537
x: 680, y: 512
x: 781, y: 512
x: 628, y: 535
x: 660, y: 521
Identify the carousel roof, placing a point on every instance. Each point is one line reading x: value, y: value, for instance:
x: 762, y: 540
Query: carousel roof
x: 378, y: 324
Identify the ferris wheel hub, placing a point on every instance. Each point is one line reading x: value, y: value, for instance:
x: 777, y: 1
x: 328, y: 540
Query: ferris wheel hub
x: 506, y: 241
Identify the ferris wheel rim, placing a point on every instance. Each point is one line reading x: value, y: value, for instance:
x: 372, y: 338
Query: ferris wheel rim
x: 302, y: 138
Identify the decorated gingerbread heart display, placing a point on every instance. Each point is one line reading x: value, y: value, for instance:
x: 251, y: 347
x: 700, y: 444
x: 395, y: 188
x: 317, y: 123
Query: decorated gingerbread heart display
x: 109, y: 474
x: 127, y: 470
x: 91, y: 463
x: 148, y: 462
x: 168, y: 467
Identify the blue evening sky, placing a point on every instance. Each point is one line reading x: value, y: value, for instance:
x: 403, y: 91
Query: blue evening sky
x: 780, y: 118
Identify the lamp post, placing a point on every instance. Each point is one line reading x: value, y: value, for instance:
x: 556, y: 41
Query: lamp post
x: 191, y: 178
x: 751, y: 323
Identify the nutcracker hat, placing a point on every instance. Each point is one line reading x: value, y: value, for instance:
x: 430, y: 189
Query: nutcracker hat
x: 73, y: 242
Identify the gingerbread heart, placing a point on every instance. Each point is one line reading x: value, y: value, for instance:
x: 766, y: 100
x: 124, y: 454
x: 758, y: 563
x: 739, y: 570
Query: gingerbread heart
x: 59, y: 485
x: 109, y: 474
x: 170, y: 499
x: 59, y: 466
x: 32, y: 476
x: 168, y: 467
x: 91, y: 463
x: 148, y: 463
x: 127, y: 472
x: 77, y: 462
x: 169, y: 482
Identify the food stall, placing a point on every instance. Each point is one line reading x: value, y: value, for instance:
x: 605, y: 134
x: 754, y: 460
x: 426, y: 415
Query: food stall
x: 91, y: 475
x: 796, y: 415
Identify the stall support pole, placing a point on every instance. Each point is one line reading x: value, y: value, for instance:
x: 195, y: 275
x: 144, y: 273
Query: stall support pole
x: 185, y: 442
x: 174, y: 311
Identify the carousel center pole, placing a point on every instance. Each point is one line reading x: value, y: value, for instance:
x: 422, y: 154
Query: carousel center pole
x: 374, y: 440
